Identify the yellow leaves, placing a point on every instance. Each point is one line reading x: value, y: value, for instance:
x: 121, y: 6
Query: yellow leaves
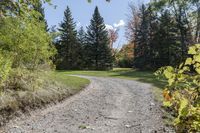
x: 168, y: 72
x: 183, y: 106
x: 167, y: 98
x: 198, y: 70
x: 188, y: 61
x: 170, y: 81
x: 192, y: 50
x: 197, y: 58
x: 167, y: 103
x: 197, y: 46
x: 182, y: 92
x: 166, y: 95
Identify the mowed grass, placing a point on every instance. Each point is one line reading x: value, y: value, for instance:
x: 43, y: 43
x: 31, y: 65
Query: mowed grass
x: 127, y: 73
x: 70, y: 81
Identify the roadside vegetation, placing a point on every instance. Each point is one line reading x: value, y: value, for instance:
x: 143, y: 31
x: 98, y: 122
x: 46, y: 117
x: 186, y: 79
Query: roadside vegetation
x: 36, y: 90
x: 27, y: 77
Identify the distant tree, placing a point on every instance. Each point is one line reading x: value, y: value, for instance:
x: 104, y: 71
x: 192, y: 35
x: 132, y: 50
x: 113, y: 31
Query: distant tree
x: 113, y: 36
x: 167, y: 47
x: 83, y: 50
x: 133, y: 22
x: 99, y: 53
x: 156, y: 37
x: 68, y: 47
x: 124, y: 57
x: 141, y: 40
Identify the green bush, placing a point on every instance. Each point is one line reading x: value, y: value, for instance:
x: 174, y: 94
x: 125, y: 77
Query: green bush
x: 26, y: 41
x: 5, y: 66
x: 182, y: 94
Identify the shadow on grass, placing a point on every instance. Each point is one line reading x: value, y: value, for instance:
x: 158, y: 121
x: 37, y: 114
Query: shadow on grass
x: 142, y: 76
x: 127, y: 73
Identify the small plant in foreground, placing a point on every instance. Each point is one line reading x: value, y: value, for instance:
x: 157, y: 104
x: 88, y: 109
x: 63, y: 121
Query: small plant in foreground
x: 182, y: 94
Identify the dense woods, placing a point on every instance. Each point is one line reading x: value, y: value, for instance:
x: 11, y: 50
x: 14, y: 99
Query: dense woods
x: 162, y: 31
x: 166, y: 33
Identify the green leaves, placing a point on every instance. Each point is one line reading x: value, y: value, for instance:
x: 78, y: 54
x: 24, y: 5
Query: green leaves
x: 27, y: 41
x: 5, y: 66
x: 182, y: 92
x: 197, y: 58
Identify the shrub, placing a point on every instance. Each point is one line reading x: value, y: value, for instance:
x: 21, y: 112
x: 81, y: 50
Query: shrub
x: 5, y: 66
x: 26, y: 41
x: 182, y: 94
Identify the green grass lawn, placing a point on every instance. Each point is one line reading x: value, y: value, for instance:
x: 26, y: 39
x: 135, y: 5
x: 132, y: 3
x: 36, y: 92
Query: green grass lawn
x: 70, y: 81
x: 127, y: 73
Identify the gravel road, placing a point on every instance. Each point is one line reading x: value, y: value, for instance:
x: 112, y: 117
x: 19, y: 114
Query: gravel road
x: 107, y: 105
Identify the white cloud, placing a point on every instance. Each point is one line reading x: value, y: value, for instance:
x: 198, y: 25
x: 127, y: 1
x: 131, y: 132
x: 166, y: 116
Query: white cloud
x: 121, y: 23
x: 109, y: 27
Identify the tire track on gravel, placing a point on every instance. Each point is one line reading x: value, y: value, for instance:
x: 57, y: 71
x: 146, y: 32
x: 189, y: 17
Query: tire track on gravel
x: 107, y: 105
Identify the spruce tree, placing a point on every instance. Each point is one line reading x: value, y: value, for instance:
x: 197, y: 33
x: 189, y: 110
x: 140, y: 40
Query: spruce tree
x: 83, y: 51
x: 68, y: 49
x: 169, y: 49
x: 142, y: 49
x: 81, y: 36
x: 98, y: 52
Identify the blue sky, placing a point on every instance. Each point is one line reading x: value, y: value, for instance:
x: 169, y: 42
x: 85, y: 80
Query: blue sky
x: 114, y: 13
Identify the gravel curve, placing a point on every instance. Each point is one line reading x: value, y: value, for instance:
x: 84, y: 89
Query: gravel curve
x: 107, y: 105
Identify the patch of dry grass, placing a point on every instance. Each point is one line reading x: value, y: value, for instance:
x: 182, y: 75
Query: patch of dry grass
x: 25, y: 91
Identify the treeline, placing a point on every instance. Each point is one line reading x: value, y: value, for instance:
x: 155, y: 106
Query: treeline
x: 28, y: 45
x: 162, y: 31
x: 83, y: 49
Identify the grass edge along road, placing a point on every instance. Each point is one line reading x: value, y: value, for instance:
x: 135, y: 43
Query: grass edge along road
x: 50, y: 87
x: 131, y: 74
x: 126, y: 73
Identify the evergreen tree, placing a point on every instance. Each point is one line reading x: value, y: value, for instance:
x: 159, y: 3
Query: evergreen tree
x: 169, y: 48
x: 68, y: 47
x: 142, y: 47
x: 81, y: 36
x: 98, y: 53
x: 83, y: 50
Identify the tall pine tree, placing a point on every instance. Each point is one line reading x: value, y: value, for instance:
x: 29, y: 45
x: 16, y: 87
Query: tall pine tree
x: 83, y: 51
x: 142, y: 44
x: 99, y: 53
x: 68, y: 50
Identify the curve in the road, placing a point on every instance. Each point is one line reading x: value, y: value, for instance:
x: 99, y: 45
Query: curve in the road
x: 107, y: 105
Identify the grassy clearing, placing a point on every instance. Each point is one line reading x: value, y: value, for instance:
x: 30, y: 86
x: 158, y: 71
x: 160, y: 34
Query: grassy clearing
x: 36, y: 91
x: 127, y: 73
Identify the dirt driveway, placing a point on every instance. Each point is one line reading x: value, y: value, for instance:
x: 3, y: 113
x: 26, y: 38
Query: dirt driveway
x: 107, y: 105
